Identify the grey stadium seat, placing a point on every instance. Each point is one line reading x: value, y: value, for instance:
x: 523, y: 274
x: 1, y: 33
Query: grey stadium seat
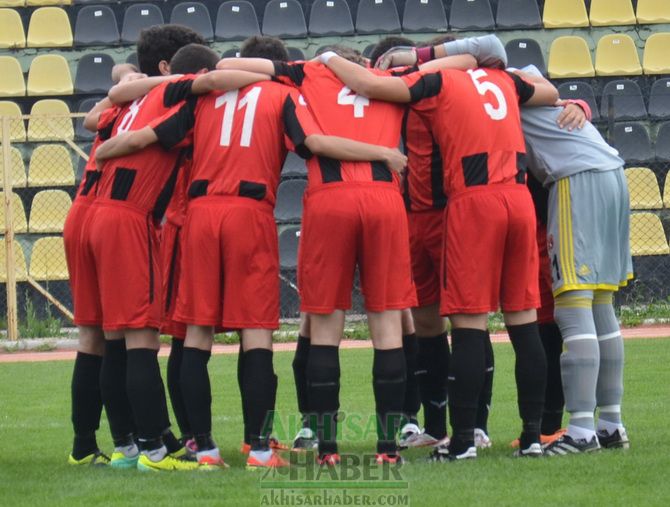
x: 627, y: 101
x: 132, y: 59
x: 136, y: 18
x: 289, y: 200
x: 659, y: 99
x: 471, y: 15
x: 424, y: 16
x: 330, y: 17
x: 513, y: 14
x: 522, y: 52
x: 231, y: 53
x: 583, y: 91
x: 663, y: 143
x: 195, y: 16
x: 84, y: 107
x: 288, y: 247
x: 96, y: 26
x: 94, y: 73
x: 236, y: 20
x: 377, y: 16
x: 295, y: 54
x: 284, y: 18
x: 632, y: 141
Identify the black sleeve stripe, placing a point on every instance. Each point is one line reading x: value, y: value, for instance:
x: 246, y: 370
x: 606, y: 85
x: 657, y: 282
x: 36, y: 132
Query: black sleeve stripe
x: 428, y: 86
x: 404, y: 72
x: 293, y: 71
x: 176, y: 92
x: 173, y: 130
x: 106, y: 132
x: 294, y: 130
x: 524, y: 89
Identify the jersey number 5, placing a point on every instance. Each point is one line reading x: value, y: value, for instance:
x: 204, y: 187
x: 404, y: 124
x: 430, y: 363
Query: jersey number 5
x: 348, y: 98
x: 229, y: 102
x: 496, y: 113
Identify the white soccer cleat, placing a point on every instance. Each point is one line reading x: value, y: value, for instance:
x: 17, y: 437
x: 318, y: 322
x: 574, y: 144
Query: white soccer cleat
x: 482, y: 440
x: 413, y: 436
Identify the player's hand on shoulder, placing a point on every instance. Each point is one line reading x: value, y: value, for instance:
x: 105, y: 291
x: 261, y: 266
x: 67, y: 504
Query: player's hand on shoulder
x: 572, y: 117
x: 401, y: 56
x: 395, y: 160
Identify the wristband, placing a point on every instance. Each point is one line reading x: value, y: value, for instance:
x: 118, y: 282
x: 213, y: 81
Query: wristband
x: 324, y: 57
x: 424, y: 55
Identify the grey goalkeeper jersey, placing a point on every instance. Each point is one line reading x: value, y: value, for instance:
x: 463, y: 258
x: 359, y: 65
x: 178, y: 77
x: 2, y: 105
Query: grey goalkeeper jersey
x: 554, y: 153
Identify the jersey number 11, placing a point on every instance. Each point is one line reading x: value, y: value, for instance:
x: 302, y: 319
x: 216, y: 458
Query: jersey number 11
x: 229, y: 102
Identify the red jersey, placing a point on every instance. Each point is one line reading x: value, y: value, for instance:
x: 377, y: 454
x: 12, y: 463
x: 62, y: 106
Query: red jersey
x: 340, y: 112
x: 475, y: 119
x: 241, y: 137
x: 91, y: 174
x: 146, y: 179
x: 176, y: 210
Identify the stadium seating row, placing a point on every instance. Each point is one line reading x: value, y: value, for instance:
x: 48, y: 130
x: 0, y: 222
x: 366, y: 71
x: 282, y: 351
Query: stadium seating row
x: 51, y: 121
x: 635, y: 146
x: 644, y: 189
x: 236, y: 20
x: 50, y: 165
x: 47, y: 212
x: 47, y: 260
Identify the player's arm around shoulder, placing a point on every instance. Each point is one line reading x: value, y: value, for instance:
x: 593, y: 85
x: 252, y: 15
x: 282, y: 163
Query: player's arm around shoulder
x: 126, y: 144
x: 225, y: 80
x: 259, y: 65
x: 543, y: 94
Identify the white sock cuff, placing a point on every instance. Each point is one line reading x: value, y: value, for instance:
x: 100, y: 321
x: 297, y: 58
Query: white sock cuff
x: 609, y: 336
x: 610, y: 409
x: 585, y: 336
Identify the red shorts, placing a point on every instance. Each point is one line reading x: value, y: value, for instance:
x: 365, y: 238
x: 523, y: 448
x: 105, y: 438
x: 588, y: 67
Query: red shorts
x: 425, y: 240
x: 490, y: 251
x: 170, y: 261
x: 84, y: 296
x: 230, y: 265
x: 545, y: 313
x: 348, y: 224
x: 121, y: 268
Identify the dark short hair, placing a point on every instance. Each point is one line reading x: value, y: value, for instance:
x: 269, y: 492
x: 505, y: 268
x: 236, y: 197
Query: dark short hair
x: 351, y: 54
x: 192, y: 58
x: 440, y: 39
x: 387, y: 43
x: 161, y: 42
x: 262, y: 46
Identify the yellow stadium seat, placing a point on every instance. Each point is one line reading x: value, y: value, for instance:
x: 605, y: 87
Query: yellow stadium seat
x: 49, y: 27
x: 643, y: 189
x: 49, y: 75
x: 646, y: 235
x: 38, y: 3
x: 20, y: 270
x: 18, y: 170
x: 611, y: 13
x: 50, y: 121
x: 564, y: 14
x: 666, y: 193
x: 48, y: 211
x: 17, y: 129
x: 12, y: 3
x: 653, y: 11
x: 12, y: 83
x: 11, y: 29
x: 50, y: 165
x: 20, y: 222
x: 47, y: 261
x: 616, y: 55
x: 570, y: 56
x: 656, y: 58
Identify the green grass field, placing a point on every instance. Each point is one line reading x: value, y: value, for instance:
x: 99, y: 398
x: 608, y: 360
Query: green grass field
x: 35, y: 433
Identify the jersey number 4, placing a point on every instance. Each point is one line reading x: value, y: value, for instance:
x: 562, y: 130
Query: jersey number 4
x: 230, y: 104
x: 348, y: 98
x: 496, y: 113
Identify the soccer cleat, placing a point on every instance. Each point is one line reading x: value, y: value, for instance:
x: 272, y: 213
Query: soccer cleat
x: 305, y: 440
x: 413, y: 436
x: 120, y: 460
x: 482, y: 440
x: 274, y: 444
x: 616, y: 440
x: 328, y: 459
x: 96, y: 459
x: 185, y: 453
x: 168, y: 463
x: 544, y: 439
x: 209, y: 463
x: 532, y: 451
x: 388, y: 459
x: 441, y: 454
x: 568, y: 445
x: 274, y: 461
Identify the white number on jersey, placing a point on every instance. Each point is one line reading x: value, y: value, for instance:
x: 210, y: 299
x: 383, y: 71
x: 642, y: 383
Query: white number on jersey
x: 129, y: 117
x: 496, y: 113
x: 348, y: 98
x: 229, y: 100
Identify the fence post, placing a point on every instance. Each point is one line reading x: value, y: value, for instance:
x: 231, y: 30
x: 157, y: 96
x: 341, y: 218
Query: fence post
x: 12, y: 324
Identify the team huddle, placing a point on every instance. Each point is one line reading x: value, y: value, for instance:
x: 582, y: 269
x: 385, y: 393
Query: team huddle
x: 503, y: 197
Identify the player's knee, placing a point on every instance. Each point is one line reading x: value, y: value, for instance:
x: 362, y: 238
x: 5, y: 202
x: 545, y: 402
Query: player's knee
x: 91, y: 340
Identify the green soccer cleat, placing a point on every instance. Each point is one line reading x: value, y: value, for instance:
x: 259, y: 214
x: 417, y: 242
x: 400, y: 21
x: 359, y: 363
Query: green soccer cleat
x: 121, y: 461
x: 168, y: 463
x: 96, y: 459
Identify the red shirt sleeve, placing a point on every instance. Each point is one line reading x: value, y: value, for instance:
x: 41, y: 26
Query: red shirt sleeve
x: 424, y: 87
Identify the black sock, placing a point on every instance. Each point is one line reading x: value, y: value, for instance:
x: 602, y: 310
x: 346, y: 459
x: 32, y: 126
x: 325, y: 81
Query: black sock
x: 171, y: 442
x: 431, y: 373
x: 531, y: 379
x: 300, y: 376
x: 466, y: 377
x: 146, y: 395
x: 323, y: 388
x: 412, y: 402
x: 259, y: 386
x: 552, y: 417
x: 86, y: 403
x: 197, y: 393
x: 388, y: 379
x: 114, y: 393
x: 174, y: 386
x: 240, y: 377
x: 487, y: 389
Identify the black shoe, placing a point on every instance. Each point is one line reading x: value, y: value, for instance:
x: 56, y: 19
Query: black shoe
x: 616, y: 440
x: 568, y: 445
x: 441, y: 453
